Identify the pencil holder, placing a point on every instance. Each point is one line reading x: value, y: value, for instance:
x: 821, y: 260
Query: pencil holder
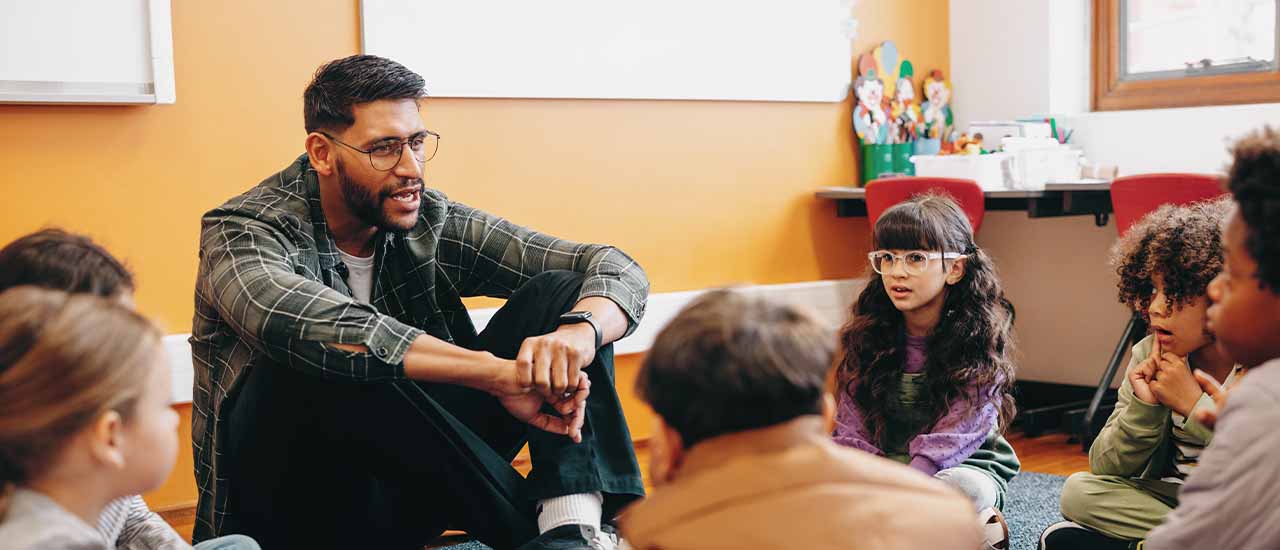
x: 877, y: 159
x: 902, y: 159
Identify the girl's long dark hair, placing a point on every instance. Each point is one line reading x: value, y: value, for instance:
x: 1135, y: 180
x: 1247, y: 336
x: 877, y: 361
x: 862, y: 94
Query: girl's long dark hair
x: 968, y: 353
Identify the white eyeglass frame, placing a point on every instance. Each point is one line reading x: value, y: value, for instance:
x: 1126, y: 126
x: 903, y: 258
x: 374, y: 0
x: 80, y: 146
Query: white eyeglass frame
x: 929, y: 257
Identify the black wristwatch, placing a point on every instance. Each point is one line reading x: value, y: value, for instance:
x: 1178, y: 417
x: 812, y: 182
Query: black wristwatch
x: 574, y: 317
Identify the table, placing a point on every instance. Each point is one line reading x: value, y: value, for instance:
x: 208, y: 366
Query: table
x: 1057, y: 199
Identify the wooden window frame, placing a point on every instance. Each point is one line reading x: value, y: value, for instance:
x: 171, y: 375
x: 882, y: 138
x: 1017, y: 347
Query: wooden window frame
x: 1112, y: 94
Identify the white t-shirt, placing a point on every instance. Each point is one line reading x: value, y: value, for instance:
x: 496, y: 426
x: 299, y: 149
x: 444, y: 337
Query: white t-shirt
x: 359, y: 276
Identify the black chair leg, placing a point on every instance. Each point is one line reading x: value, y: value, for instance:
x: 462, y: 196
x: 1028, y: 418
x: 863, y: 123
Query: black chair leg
x: 1089, y: 427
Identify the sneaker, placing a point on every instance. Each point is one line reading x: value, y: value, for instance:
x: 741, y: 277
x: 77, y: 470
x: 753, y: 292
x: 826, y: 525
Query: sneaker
x: 995, y: 532
x: 574, y: 537
x: 1067, y: 535
x: 607, y: 538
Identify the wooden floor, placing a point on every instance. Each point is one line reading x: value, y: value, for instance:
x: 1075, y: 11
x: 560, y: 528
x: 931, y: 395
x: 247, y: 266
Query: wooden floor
x: 1047, y: 454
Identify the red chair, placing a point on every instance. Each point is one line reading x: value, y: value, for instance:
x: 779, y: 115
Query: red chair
x: 886, y: 192
x: 1133, y: 197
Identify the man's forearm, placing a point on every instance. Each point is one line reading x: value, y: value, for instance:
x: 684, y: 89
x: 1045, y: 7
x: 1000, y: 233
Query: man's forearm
x: 430, y: 359
x: 607, y: 315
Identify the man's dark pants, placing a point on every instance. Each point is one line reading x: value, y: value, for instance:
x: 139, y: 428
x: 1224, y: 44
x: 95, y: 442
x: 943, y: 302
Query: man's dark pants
x: 323, y: 464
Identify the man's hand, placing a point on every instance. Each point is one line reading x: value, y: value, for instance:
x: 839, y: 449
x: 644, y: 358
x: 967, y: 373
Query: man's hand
x: 1209, y: 417
x: 1174, y: 385
x: 571, y: 406
x: 549, y: 362
x: 1140, y: 380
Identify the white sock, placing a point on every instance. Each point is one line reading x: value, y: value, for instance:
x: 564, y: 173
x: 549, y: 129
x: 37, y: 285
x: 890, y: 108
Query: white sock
x: 578, y: 508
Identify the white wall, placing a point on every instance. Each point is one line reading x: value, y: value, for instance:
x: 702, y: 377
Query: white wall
x: 1167, y: 140
x: 997, y: 66
x: 1070, y: 60
x: 1017, y: 58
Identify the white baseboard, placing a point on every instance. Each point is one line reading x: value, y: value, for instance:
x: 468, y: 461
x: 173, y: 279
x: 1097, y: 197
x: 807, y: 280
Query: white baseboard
x: 828, y: 299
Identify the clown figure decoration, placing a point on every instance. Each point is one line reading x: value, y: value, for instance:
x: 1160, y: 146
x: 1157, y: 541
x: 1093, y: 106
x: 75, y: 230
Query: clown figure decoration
x: 937, y: 110
x: 870, y: 121
x: 903, y: 109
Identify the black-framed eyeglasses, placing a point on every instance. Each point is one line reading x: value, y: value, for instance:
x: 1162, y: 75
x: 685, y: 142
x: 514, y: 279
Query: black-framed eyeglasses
x: 386, y: 154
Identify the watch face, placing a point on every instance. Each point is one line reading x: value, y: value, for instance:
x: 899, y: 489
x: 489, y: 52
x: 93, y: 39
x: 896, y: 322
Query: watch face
x: 576, y: 316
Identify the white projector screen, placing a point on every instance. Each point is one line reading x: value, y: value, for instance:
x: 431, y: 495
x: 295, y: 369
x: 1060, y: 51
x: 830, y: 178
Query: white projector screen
x: 761, y: 50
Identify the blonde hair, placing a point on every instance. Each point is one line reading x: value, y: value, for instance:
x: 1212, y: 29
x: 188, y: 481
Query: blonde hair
x: 64, y: 360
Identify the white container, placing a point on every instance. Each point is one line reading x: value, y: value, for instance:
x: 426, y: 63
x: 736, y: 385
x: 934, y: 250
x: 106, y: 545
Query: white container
x: 993, y: 172
x: 993, y: 131
x: 1037, y: 160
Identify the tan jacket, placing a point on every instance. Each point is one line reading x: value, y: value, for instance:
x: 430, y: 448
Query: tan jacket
x: 789, y: 486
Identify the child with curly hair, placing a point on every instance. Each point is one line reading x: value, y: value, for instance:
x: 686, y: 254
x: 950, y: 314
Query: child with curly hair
x: 925, y: 371
x: 1152, y: 441
x: 1232, y: 500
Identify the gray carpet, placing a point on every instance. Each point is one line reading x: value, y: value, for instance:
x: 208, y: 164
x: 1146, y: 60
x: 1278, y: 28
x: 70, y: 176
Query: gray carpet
x: 1032, y: 504
x: 466, y: 546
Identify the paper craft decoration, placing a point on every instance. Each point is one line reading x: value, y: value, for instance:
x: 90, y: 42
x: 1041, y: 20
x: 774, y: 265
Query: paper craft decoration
x: 870, y: 119
x: 937, y: 106
x: 896, y: 94
x: 903, y: 109
x: 886, y: 59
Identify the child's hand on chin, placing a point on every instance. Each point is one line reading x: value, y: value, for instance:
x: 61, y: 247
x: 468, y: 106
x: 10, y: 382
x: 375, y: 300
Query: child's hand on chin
x: 1174, y: 385
x: 1140, y: 380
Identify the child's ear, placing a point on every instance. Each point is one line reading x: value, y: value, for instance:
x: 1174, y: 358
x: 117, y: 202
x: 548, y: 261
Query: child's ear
x: 667, y: 454
x: 956, y: 271
x: 106, y: 440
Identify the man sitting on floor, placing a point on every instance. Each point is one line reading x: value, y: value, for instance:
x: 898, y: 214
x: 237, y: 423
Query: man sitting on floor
x: 343, y: 398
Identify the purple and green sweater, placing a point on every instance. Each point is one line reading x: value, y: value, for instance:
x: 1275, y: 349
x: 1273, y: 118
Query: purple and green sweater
x: 967, y: 426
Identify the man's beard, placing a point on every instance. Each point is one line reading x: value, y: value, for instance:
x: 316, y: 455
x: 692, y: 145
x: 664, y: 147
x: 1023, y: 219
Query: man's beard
x: 367, y: 207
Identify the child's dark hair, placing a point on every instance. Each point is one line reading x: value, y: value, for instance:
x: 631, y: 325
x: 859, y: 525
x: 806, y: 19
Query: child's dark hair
x: 968, y: 353
x: 1254, y: 181
x: 53, y: 258
x: 731, y: 362
x: 1180, y: 245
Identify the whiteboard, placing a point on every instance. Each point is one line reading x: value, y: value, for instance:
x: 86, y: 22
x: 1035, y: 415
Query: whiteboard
x: 765, y: 50
x: 86, y: 51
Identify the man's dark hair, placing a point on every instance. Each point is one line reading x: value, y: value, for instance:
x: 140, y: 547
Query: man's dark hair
x: 53, y: 258
x: 1254, y: 181
x: 731, y: 362
x: 341, y: 83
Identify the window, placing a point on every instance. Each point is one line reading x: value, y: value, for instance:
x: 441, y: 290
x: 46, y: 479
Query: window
x: 1181, y: 53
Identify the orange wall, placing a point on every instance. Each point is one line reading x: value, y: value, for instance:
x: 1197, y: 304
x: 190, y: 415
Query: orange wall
x: 702, y: 193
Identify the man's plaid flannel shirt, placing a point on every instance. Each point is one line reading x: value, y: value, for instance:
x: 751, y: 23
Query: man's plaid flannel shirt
x: 271, y: 293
